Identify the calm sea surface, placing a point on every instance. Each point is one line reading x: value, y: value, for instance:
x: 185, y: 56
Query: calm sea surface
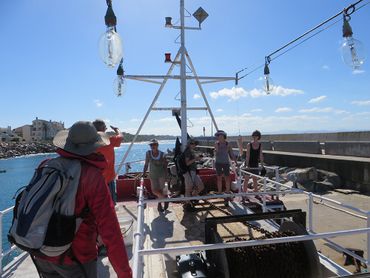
x: 19, y: 171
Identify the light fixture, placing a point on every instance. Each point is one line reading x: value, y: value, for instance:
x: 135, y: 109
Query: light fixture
x: 119, y: 83
x: 167, y: 58
x: 268, y: 85
x: 353, y: 53
x: 110, y: 43
x: 168, y: 22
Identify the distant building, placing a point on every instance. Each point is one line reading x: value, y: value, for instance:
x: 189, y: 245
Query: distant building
x: 25, y: 132
x: 7, y: 135
x: 45, y: 130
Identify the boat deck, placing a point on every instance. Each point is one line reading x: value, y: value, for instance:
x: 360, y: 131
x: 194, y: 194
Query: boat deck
x: 166, y: 229
x: 176, y: 228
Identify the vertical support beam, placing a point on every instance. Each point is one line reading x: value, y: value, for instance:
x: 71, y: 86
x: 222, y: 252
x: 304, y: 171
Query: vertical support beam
x: 201, y: 90
x: 147, y: 114
x: 277, y: 179
x: 138, y: 236
x: 183, y: 112
x: 368, y: 241
x: 1, y: 244
x: 310, y: 211
x: 264, y: 196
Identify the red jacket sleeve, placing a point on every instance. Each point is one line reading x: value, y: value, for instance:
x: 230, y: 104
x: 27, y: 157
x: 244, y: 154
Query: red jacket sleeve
x: 116, y: 140
x: 102, y: 208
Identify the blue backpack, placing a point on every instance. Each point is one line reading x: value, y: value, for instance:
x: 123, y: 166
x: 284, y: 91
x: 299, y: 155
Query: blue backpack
x: 44, y: 220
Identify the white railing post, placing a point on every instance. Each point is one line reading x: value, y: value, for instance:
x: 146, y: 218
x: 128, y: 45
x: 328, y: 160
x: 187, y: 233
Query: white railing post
x: 277, y: 179
x: 264, y: 196
x: 310, y: 210
x: 137, y: 258
x: 368, y: 241
x: 1, y: 243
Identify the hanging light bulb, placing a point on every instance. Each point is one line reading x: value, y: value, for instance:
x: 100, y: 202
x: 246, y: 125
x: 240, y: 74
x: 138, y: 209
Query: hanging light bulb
x: 268, y: 85
x: 353, y: 52
x: 110, y: 43
x: 119, y: 83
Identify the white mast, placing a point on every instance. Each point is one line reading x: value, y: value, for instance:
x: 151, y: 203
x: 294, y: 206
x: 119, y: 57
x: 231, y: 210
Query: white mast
x: 183, y: 113
x: 181, y: 58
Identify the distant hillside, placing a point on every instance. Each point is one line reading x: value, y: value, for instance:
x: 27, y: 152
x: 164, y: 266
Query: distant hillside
x: 127, y: 137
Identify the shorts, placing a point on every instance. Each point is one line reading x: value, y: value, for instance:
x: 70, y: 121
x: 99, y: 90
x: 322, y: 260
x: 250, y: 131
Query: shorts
x: 192, y: 180
x: 222, y: 168
x: 157, y: 183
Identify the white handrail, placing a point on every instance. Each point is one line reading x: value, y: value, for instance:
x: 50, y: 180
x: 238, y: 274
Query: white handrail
x: 7, y: 252
x: 214, y: 246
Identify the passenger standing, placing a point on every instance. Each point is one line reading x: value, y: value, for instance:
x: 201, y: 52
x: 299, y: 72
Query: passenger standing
x: 193, y: 183
x: 81, y: 142
x: 157, y: 163
x: 254, y: 156
x: 108, y: 152
x: 223, y: 154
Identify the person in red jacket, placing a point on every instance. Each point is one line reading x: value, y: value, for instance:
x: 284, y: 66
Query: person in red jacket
x: 108, y: 152
x: 81, y: 142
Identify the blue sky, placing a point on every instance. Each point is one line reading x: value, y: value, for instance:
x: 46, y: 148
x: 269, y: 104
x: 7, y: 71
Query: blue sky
x: 50, y: 66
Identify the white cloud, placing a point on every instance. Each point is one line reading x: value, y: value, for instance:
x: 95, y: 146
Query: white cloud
x: 281, y: 91
x: 196, y: 96
x: 98, y: 103
x: 358, y: 71
x: 361, y: 102
x: 317, y: 99
x: 325, y: 67
x: 232, y: 94
x: 283, y: 109
x: 317, y: 110
x: 219, y: 110
x: 256, y: 110
x: 236, y: 93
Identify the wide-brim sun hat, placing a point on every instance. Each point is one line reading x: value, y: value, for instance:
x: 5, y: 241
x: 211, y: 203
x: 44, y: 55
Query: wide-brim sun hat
x: 82, y: 139
x: 220, y: 132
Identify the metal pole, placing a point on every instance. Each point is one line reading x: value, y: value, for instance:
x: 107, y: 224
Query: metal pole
x: 137, y: 258
x: 255, y: 242
x: 310, y: 211
x: 183, y: 113
x: 277, y: 179
x: 264, y: 196
x: 368, y: 241
x: 1, y: 244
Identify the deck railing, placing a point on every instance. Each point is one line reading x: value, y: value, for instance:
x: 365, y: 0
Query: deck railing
x: 12, y: 248
x: 277, y: 189
x: 139, y: 251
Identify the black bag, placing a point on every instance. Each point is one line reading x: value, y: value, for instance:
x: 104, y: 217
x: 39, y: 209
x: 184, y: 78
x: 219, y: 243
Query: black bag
x: 180, y: 162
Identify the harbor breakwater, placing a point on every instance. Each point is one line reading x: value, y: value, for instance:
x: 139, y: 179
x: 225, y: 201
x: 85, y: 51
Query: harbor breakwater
x: 14, y: 149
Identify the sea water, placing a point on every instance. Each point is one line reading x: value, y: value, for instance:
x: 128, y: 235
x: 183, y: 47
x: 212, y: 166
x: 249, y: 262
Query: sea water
x: 19, y: 171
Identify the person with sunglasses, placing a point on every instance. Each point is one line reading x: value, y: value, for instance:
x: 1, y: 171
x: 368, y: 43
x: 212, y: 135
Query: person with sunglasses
x: 157, y: 163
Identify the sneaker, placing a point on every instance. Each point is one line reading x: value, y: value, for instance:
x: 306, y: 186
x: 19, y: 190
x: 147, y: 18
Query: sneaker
x: 159, y: 207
